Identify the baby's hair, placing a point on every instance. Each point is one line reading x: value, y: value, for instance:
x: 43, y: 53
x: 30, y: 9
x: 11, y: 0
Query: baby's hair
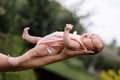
x: 97, y: 49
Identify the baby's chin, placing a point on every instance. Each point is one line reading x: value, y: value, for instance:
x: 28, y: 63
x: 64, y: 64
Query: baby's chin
x: 89, y: 47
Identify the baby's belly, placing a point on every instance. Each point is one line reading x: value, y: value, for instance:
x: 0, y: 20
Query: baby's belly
x: 53, y: 42
x: 52, y: 49
x: 56, y: 50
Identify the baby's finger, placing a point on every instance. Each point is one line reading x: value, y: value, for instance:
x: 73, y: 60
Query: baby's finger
x: 87, y: 52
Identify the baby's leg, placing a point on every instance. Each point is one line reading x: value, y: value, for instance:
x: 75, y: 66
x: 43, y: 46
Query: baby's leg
x: 38, y: 51
x: 29, y: 38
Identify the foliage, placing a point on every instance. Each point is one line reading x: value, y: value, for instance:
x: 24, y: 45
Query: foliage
x: 70, y: 71
x: 23, y: 75
x: 12, y: 45
x: 110, y: 75
x: 42, y: 16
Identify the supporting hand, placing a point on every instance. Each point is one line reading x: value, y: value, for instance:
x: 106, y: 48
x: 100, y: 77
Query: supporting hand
x: 79, y: 52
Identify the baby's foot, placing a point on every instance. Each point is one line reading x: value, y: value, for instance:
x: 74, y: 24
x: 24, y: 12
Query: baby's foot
x: 25, y: 33
x: 13, y: 61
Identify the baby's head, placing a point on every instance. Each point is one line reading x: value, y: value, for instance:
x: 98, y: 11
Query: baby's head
x: 92, y: 42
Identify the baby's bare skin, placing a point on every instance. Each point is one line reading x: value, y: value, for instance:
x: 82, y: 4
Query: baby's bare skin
x: 40, y: 50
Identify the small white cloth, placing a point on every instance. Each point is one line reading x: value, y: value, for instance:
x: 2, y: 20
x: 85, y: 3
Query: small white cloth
x: 49, y: 50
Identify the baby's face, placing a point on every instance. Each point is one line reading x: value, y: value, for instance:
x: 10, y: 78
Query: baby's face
x: 92, y: 41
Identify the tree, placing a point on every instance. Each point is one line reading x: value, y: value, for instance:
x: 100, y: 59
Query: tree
x: 42, y: 16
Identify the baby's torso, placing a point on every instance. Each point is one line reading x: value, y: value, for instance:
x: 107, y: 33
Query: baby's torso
x: 54, y: 41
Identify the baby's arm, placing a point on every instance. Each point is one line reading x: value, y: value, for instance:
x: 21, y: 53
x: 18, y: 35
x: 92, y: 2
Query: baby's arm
x: 29, y: 38
x: 71, y: 44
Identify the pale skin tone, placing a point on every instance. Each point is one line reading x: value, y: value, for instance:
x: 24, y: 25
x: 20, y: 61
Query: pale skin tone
x: 36, y: 62
x: 40, y: 50
x: 91, y: 41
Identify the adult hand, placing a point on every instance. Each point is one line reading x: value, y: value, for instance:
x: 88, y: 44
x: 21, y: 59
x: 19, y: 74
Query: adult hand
x: 37, y: 62
x: 42, y: 61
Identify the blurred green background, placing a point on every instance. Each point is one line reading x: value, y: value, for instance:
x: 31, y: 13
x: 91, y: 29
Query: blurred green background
x: 44, y: 17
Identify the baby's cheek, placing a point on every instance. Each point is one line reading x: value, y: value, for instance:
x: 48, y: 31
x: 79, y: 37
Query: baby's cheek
x: 89, y: 47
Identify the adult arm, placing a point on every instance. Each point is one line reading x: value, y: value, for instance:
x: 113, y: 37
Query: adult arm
x: 4, y: 65
x: 43, y: 61
x: 37, y: 61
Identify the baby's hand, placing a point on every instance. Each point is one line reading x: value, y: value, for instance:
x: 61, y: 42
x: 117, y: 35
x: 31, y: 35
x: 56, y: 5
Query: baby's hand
x: 68, y: 27
x: 87, y: 52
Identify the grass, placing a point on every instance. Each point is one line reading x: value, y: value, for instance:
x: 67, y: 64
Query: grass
x: 71, y: 73
x: 22, y: 75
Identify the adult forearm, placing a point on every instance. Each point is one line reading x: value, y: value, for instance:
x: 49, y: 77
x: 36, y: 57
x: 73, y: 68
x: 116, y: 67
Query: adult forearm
x: 43, y: 61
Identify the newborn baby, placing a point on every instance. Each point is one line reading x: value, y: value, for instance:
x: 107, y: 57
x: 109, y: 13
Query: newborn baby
x: 55, y: 42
